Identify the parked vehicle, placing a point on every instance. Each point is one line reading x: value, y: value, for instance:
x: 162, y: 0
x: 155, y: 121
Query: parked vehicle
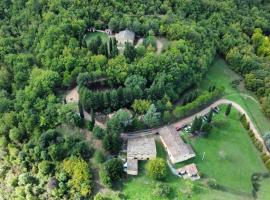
x: 181, y: 127
x: 216, y: 110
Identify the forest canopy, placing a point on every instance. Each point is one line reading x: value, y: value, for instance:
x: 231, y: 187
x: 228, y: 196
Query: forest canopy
x: 43, y: 51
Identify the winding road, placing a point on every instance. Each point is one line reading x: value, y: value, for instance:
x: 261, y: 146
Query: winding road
x: 237, y: 107
x: 189, y: 119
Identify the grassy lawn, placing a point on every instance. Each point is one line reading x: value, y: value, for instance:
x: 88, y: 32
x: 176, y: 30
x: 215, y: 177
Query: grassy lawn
x: 230, y: 159
x: 220, y: 75
x: 91, y: 36
x: 263, y: 194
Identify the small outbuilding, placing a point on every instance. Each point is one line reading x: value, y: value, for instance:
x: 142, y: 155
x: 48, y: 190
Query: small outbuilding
x: 132, y: 167
x: 125, y: 36
x: 189, y: 172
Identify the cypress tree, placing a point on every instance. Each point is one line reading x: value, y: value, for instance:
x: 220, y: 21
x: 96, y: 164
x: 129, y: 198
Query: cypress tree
x: 81, y: 110
x: 107, y: 142
x: 93, y: 116
x: 210, y: 116
x: 199, y: 125
x: 194, y: 125
x: 109, y: 47
x: 114, y: 50
x: 228, y: 109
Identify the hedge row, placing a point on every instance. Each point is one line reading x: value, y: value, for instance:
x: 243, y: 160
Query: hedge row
x: 265, y: 157
x: 201, y: 101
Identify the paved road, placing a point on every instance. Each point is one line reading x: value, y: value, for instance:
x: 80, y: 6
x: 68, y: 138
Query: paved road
x: 189, y: 119
x: 221, y: 102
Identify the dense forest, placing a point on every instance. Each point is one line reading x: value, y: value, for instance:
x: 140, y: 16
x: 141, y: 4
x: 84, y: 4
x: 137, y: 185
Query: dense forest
x: 43, y: 52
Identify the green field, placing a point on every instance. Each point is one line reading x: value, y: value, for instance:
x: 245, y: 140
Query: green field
x: 264, y: 189
x: 220, y: 75
x: 91, y: 36
x: 230, y: 157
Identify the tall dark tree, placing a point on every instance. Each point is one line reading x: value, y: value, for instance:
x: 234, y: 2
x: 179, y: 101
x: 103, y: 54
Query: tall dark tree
x: 130, y: 52
x: 200, y: 123
x: 81, y: 110
x: 194, y: 126
x: 107, y: 142
x: 92, y: 116
x: 114, y: 50
x: 228, y: 109
x: 210, y: 116
x: 109, y: 47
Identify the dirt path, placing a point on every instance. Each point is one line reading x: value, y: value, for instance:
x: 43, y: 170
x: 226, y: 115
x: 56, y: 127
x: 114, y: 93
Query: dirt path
x: 73, y: 97
x: 161, y: 44
x: 140, y: 41
x: 248, y: 96
x: 87, y: 116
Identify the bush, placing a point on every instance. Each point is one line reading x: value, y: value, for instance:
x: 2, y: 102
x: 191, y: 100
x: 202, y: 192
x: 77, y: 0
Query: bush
x: 265, y: 157
x: 267, y: 140
x: 45, y: 167
x: 99, y: 156
x: 167, y: 117
x: 162, y: 190
x: 90, y: 125
x: 26, y: 178
x: 3, y: 141
x: 105, y: 177
x: 244, y: 121
x: 206, y: 128
x: 212, y: 183
x: 99, y: 196
x: 111, y: 171
x: 259, y: 146
x: 98, y: 132
x: 15, y: 135
x: 156, y: 168
x: 250, y: 132
x: 235, y: 83
x: 79, y: 176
